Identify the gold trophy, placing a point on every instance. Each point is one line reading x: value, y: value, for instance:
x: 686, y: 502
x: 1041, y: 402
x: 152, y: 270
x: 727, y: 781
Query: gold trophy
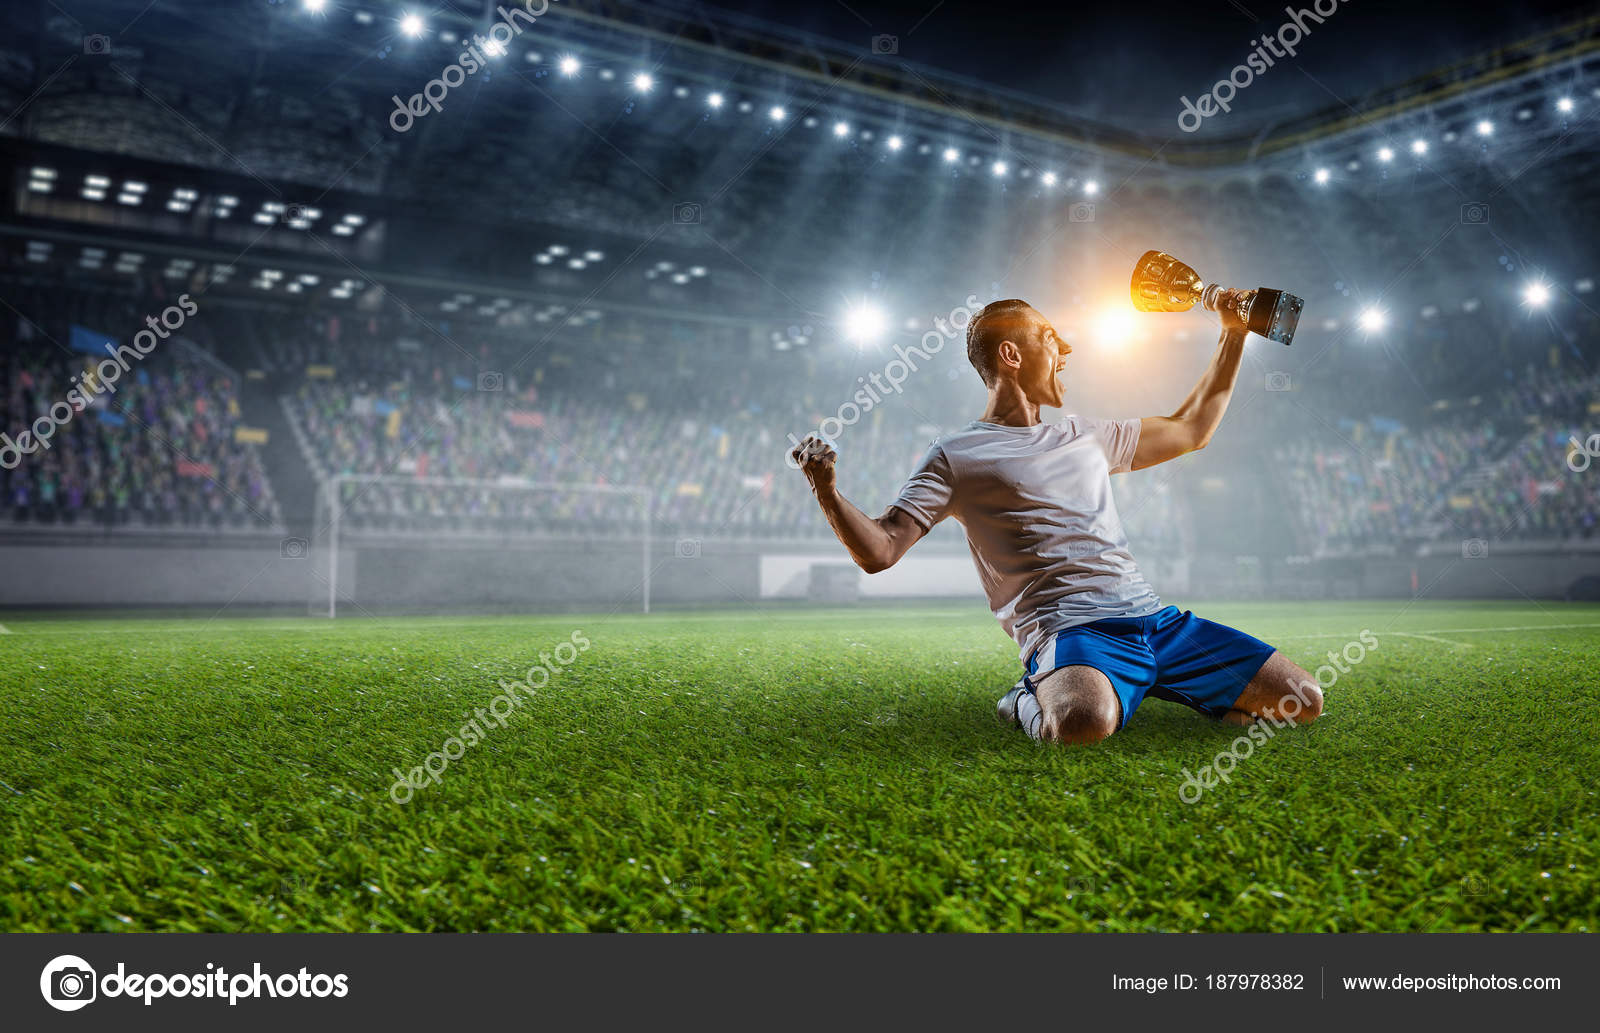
x: 1161, y: 283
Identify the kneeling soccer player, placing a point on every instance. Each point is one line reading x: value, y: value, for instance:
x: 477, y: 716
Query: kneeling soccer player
x: 1035, y: 500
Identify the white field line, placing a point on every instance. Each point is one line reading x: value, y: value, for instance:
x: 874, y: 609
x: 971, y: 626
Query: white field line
x: 1431, y: 638
x: 1449, y: 631
x: 4, y: 630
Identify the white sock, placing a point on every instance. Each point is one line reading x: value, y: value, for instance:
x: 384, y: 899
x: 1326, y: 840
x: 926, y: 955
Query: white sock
x: 1029, y: 714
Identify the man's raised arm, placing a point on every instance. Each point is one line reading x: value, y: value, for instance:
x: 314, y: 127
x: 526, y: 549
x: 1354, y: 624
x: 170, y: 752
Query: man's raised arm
x: 1190, y: 427
x: 874, y: 544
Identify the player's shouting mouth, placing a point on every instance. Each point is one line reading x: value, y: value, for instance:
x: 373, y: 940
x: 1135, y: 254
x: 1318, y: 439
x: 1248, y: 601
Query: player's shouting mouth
x: 1035, y: 500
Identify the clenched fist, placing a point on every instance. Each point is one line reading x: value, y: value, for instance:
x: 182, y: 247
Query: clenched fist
x: 815, y: 457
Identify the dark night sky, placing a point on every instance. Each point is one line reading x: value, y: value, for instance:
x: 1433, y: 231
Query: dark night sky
x: 1127, y: 63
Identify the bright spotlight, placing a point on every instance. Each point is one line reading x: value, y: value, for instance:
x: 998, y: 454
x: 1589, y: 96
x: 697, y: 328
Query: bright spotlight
x: 1386, y: 154
x: 411, y: 25
x: 569, y: 65
x: 715, y: 100
x: 1372, y: 320
x: 864, y: 324
x: 1048, y: 179
x: 1419, y: 147
x: 316, y: 6
x: 951, y: 154
x: 644, y: 82
x: 1114, y: 326
x: 1091, y: 188
x: 1536, y: 295
x: 894, y: 143
x: 841, y: 129
x: 1321, y: 176
x: 999, y: 168
x: 777, y: 114
x: 1485, y: 127
x: 1564, y: 105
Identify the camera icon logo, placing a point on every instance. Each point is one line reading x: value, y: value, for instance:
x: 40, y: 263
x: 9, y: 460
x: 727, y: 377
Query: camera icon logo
x: 1475, y: 213
x: 884, y: 44
x: 1474, y: 886
x: 1083, y: 211
x: 491, y: 380
x: 687, y: 549
x: 686, y: 213
x: 68, y: 983
x: 1474, y: 549
x: 294, y: 548
x: 1278, y: 380
x: 97, y: 45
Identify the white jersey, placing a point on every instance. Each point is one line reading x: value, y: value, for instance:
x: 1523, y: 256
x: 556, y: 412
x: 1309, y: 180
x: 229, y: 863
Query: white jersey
x: 1044, y: 532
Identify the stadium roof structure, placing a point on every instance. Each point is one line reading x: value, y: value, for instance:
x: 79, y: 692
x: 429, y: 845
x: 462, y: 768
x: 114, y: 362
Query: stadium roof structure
x: 555, y: 172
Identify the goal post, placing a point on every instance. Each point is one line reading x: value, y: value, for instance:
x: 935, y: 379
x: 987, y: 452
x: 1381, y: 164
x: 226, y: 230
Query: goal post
x: 330, y: 518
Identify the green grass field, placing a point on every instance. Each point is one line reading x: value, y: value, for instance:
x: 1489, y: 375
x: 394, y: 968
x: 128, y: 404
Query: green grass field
x: 783, y: 770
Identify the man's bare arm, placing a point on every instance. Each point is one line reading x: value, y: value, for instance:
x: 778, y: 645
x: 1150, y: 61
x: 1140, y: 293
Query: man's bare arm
x: 1192, y: 424
x: 874, y: 544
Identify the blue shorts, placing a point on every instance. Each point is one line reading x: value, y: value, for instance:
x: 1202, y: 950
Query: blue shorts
x: 1171, y: 655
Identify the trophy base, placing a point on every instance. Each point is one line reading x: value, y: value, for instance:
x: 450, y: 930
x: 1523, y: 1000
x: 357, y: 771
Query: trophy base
x: 1272, y: 313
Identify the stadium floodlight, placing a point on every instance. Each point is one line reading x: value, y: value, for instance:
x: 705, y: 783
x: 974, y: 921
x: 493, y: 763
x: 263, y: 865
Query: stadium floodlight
x: 1419, y: 147
x: 98, y: 182
x: 594, y: 256
x: 1321, y: 176
x: 129, y: 198
x: 411, y: 24
x: 1372, y: 319
x: 1536, y: 294
x: 1485, y: 127
x: 1386, y: 154
x: 569, y: 65
x: 644, y: 82
x: 1564, y: 105
x: 864, y: 324
x: 715, y: 100
x: 41, y: 186
x: 841, y: 129
x: 1048, y: 179
x: 1091, y: 188
x: 776, y: 113
x: 494, y: 48
x: 951, y: 155
x: 999, y: 168
x: 894, y: 143
x: 316, y: 6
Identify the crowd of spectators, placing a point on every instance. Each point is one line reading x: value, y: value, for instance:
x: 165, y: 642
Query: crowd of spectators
x: 1495, y: 467
x: 156, y: 451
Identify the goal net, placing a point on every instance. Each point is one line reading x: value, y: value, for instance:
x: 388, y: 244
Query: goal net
x: 442, y: 543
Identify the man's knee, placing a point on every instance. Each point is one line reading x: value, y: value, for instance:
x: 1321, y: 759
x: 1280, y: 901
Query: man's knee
x: 1078, y: 709
x: 1303, y: 704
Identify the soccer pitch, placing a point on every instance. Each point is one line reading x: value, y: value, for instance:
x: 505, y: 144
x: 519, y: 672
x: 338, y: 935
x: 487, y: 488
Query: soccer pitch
x: 784, y: 769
